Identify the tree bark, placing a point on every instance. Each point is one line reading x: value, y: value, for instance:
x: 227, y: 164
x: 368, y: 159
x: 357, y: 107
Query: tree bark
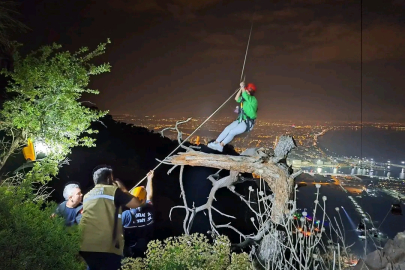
x: 276, y: 175
x: 13, y: 147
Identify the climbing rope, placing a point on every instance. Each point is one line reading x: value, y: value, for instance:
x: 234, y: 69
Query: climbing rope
x: 247, y: 48
x: 384, y: 219
x: 189, y: 136
x: 206, y: 120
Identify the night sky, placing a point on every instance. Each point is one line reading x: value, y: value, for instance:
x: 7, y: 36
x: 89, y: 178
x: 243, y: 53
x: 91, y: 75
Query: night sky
x: 184, y: 57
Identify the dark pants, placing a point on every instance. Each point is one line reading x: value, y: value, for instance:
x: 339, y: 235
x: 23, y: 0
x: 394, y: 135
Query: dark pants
x: 136, y: 250
x: 101, y: 260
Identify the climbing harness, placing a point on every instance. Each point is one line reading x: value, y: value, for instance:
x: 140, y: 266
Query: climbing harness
x: 249, y: 121
x: 209, y: 117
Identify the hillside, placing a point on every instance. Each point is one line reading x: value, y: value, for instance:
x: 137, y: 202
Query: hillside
x: 131, y: 151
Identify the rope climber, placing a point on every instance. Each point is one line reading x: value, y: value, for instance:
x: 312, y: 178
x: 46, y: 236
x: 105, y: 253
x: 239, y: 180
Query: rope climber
x: 189, y: 136
x: 209, y: 117
x: 246, y: 118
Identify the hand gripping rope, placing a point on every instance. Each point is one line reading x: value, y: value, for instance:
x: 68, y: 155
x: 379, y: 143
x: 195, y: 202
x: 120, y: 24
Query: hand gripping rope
x: 209, y: 117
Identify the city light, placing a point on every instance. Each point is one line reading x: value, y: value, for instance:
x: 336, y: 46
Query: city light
x: 309, y: 156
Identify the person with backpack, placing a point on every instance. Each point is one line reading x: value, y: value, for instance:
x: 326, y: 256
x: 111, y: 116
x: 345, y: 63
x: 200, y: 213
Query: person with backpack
x: 246, y: 117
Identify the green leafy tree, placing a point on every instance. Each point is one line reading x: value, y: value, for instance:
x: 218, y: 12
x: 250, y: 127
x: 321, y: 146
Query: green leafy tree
x: 189, y: 252
x: 45, y: 89
x: 30, y: 239
x: 46, y: 86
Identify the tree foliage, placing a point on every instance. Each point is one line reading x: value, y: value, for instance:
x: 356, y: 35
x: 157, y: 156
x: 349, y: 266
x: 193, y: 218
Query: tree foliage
x: 46, y: 86
x: 189, y: 252
x: 29, y: 239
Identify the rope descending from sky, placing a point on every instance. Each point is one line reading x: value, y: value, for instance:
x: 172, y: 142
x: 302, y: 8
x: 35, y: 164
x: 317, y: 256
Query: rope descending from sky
x: 247, y: 48
x: 209, y: 117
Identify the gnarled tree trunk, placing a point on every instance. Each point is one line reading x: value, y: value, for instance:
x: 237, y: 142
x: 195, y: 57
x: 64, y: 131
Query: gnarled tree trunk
x: 272, y: 168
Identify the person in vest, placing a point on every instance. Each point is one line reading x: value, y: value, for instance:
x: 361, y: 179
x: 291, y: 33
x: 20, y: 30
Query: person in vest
x: 138, y: 222
x: 102, y: 240
x: 246, y: 118
x: 71, y: 209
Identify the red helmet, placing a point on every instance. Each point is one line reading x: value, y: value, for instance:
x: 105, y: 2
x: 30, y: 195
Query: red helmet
x: 250, y: 87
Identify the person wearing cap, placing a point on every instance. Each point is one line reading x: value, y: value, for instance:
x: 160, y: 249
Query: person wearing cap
x: 138, y: 222
x: 102, y: 241
x: 246, y: 117
x: 71, y: 209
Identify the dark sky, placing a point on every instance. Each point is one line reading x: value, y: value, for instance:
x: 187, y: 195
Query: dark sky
x: 184, y: 57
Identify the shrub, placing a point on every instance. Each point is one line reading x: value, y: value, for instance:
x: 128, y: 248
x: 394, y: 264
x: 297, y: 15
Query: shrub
x: 30, y: 239
x: 189, y: 252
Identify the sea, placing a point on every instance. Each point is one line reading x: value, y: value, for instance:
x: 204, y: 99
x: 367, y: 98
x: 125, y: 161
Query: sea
x: 382, y: 145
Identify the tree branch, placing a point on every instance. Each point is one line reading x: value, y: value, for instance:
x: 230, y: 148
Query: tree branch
x: 16, y: 143
x: 277, y: 177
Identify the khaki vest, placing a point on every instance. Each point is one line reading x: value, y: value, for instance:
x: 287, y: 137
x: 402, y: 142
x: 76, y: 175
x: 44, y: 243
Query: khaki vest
x: 98, y: 221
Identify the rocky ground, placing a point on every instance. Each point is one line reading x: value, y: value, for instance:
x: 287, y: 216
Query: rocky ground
x: 391, y: 257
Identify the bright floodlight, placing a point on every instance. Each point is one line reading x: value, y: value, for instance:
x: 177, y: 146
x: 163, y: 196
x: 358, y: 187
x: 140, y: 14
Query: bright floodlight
x: 41, y: 147
x: 319, y: 170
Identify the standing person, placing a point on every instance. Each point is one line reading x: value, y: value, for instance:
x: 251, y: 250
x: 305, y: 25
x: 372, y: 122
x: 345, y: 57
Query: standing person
x: 102, y: 241
x: 246, y: 118
x: 138, y: 222
x: 71, y: 209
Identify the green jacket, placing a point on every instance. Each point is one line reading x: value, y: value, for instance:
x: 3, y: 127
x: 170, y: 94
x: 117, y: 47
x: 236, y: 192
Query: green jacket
x: 249, y: 105
x: 98, y: 221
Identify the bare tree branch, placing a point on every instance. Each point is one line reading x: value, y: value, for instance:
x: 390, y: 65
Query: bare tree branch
x: 276, y: 177
x: 278, y: 233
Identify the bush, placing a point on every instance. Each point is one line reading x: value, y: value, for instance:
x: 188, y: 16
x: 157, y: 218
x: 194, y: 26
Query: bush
x: 189, y: 252
x: 30, y: 239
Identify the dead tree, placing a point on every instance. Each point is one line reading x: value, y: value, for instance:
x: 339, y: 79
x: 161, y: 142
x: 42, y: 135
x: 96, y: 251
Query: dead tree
x: 270, y: 166
x: 277, y: 243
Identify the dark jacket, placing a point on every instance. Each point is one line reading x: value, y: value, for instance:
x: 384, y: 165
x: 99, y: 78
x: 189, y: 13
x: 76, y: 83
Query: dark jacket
x: 61, y: 211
